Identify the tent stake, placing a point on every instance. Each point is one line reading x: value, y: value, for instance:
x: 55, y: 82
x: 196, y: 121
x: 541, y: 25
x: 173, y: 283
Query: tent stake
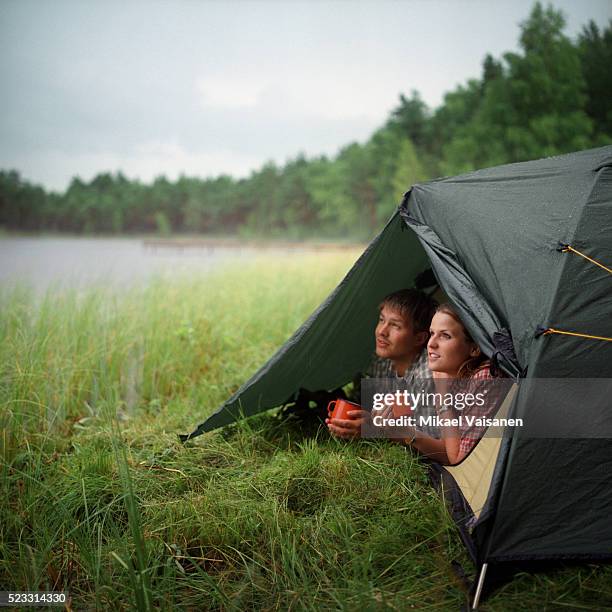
x: 481, y: 579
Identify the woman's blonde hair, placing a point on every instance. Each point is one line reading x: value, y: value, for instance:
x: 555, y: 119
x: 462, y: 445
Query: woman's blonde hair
x: 471, y: 365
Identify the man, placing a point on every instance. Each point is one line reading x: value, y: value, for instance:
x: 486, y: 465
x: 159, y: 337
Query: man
x: 401, y: 336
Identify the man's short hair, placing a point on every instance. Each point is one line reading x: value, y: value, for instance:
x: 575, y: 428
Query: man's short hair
x: 413, y: 305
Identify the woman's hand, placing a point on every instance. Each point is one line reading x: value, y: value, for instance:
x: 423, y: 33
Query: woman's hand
x: 348, y: 428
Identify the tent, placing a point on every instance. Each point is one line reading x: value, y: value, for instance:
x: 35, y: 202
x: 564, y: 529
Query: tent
x: 524, y: 252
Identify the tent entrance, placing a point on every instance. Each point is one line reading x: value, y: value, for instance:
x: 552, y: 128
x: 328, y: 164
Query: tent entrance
x: 336, y: 341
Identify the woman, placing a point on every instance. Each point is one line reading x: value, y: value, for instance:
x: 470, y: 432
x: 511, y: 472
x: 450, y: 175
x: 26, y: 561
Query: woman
x: 457, y: 364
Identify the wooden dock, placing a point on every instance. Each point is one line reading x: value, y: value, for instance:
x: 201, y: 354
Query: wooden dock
x: 212, y: 244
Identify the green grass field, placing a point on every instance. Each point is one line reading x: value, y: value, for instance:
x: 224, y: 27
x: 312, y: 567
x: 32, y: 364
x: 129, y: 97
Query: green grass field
x: 101, y: 500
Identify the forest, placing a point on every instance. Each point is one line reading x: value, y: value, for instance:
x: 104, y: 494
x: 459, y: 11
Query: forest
x: 551, y: 97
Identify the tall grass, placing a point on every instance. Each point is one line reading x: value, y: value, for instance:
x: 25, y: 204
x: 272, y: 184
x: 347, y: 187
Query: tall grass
x: 100, y: 499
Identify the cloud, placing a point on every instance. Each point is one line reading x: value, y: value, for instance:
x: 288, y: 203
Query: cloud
x: 170, y: 158
x: 228, y: 93
x: 55, y: 168
x: 333, y: 98
x: 313, y: 94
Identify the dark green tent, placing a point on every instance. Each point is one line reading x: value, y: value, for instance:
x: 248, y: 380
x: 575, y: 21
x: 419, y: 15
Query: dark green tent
x: 509, y: 246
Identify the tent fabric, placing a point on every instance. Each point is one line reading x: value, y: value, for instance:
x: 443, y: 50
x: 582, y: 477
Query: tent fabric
x: 492, y: 238
x: 479, y: 317
x: 505, y: 225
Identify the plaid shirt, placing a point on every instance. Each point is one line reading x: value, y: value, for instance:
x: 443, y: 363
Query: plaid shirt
x: 416, y: 378
x: 383, y: 368
x: 478, y: 383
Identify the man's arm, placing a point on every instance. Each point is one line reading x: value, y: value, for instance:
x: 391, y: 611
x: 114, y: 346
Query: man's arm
x: 351, y: 428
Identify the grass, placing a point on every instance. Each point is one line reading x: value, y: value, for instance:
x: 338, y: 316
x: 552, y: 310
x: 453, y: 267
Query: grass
x: 100, y: 499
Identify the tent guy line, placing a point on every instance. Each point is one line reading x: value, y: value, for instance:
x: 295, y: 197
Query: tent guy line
x: 545, y: 331
x: 566, y: 248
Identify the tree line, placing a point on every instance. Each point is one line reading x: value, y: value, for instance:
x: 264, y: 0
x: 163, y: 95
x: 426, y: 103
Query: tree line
x: 552, y: 97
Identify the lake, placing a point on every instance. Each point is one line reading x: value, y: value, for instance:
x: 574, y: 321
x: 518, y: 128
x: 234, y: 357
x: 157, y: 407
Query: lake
x: 80, y: 262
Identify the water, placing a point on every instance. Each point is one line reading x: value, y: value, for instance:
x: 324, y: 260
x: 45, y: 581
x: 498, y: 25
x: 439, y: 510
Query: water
x: 81, y: 262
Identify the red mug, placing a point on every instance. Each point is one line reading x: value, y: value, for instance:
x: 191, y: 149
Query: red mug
x: 341, y: 408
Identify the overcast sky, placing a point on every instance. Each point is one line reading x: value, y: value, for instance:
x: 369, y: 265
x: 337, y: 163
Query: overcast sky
x: 203, y: 88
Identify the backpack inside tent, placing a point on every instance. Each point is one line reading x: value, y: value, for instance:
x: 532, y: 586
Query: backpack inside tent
x: 524, y: 253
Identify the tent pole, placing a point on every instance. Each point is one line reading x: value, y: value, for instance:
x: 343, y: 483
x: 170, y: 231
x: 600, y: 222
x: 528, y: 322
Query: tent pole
x: 481, y: 579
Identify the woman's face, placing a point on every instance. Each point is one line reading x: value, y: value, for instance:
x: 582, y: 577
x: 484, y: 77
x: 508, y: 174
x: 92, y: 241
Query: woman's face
x: 448, y: 348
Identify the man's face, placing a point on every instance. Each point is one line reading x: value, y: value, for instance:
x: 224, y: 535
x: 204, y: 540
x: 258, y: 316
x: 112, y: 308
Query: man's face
x: 395, y: 336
